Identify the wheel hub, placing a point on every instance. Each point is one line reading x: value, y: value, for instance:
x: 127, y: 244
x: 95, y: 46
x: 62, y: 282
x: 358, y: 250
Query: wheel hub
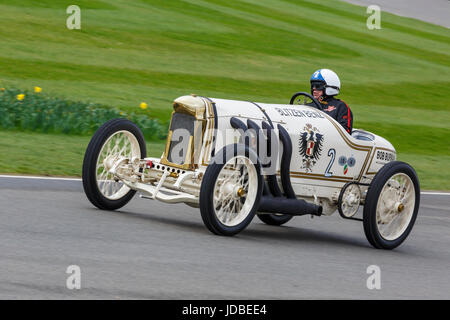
x: 351, y: 199
x: 228, y: 188
x: 109, y: 162
x: 241, y: 192
x: 236, y: 190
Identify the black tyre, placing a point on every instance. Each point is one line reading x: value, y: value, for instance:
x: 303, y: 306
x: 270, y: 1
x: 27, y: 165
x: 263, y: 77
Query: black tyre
x: 231, y: 189
x: 391, y: 205
x: 275, y: 219
x: 117, y: 137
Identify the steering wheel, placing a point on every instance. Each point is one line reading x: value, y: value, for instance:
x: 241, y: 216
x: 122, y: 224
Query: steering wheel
x: 295, y: 98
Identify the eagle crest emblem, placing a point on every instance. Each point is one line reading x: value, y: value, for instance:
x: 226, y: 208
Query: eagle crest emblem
x: 310, y: 146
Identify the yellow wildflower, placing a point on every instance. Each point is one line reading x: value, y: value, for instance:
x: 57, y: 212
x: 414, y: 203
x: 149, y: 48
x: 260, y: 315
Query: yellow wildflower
x: 37, y: 89
x: 20, y: 97
x: 143, y: 106
x: 2, y: 89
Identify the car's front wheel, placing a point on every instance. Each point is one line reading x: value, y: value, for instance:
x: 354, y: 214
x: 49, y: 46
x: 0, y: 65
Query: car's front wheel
x: 116, y: 138
x: 391, y: 205
x: 231, y: 189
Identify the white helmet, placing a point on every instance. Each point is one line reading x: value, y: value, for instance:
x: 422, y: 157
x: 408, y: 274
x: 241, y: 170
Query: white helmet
x: 329, y: 80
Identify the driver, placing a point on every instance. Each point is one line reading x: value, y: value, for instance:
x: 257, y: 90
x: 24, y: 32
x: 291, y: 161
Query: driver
x: 325, y: 84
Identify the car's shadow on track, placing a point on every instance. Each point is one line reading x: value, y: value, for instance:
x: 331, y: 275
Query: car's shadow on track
x: 260, y: 232
x: 257, y: 231
x: 192, y: 226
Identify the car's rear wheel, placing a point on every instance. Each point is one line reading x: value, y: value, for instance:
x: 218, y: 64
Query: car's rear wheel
x: 391, y: 205
x: 116, y: 138
x: 231, y: 189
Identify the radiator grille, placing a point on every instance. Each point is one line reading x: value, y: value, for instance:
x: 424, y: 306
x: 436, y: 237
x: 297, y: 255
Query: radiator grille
x: 180, y: 133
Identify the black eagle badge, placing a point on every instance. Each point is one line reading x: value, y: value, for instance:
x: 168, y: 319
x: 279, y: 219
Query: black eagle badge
x: 310, y: 146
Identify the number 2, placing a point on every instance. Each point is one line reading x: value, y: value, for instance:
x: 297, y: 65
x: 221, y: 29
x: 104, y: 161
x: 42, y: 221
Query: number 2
x: 332, y: 154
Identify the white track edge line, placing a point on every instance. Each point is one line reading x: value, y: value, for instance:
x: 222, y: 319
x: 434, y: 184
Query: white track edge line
x: 79, y: 179
x: 40, y: 178
x: 436, y: 193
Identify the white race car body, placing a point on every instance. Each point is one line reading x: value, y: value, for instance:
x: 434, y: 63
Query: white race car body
x: 324, y: 156
x: 238, y: 159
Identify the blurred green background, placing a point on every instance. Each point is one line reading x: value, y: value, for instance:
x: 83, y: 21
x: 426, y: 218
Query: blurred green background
x: 396, y: 80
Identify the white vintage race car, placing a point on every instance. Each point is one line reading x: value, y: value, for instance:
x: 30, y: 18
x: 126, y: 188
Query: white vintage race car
x: 235, y: 159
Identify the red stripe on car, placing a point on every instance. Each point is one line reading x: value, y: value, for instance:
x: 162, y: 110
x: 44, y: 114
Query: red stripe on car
x: 348, y: 117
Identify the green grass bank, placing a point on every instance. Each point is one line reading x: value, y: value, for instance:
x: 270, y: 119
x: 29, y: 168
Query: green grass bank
x: 396, y: 80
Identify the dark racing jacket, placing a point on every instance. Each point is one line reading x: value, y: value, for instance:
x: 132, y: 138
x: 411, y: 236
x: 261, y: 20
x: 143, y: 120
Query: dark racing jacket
x: 338, y: 110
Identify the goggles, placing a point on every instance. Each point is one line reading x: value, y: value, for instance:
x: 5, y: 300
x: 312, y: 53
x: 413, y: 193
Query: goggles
x: 318, y: 85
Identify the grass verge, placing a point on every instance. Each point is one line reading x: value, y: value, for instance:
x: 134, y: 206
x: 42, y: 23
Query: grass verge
x: 49, y: 154
x: 396, y: 79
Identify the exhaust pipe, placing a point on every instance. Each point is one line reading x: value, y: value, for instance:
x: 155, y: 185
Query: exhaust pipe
x: 285, y: 165
x: 294, y: 207
x: 272, y: 200
x: 271, y: 179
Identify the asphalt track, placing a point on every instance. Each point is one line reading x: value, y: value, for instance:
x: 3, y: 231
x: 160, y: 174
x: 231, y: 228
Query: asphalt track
x: 152, y: 250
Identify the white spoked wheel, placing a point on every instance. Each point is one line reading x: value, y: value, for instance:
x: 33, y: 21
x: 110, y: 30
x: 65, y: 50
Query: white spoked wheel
x: 121, y: 144
x: 391, y: 206
x: 349, y: 200
x: 231, y: 189
x: 235, y: 191
x: 117, y: 141
x: 395, y: 206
